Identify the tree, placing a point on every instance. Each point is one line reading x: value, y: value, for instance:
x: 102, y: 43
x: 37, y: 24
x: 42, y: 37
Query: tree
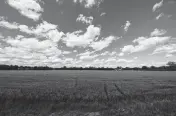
x: 171, y: 63
x: 144, y: 68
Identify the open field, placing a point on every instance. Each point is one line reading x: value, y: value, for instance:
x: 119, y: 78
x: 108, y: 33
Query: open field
x: 87, y: 93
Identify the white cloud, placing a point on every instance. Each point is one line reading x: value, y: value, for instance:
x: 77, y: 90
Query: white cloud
x: 82, y: 40
x: 84, y: 19
x: 89, y: 3
x: 158, y: 5
x: 169, y: 55
x: 111, y: 60
x: 114, y: 60
x: 126, y: 26
x: 158, y: 32
x: 60, y: 1
x: 27, y: 8
x: 104, y: 53
x: 100, y: 45
x: 30, y: 43
x: 113, y: 53
x: 144, y: 43
x: 4, y: 23
x: 44, y: 29
x: 159, y: 16
x: 66, y: 52
x: 168, y: 49
x: 102, y: 14
x: 30, y: 51
x: 108, y: 53
x: 124, y: 60
x: 121, y: 54
x: 88, y: 55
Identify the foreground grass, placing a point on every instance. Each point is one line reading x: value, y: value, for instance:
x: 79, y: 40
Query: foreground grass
x: 76, y: 97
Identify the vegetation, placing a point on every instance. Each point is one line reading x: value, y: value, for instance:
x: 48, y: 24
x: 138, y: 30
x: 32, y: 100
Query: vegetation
x: 170, y: 66
x: 82, y: 96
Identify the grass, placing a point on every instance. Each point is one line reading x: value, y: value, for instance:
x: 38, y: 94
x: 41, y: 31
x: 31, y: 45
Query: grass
x: 87, y: 97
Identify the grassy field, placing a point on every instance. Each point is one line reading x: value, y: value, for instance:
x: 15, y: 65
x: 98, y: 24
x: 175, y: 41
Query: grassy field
x: 87, y: 93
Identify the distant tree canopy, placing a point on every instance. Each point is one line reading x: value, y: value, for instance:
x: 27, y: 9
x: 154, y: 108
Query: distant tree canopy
x: 170, y: 66
x: 171, y: 63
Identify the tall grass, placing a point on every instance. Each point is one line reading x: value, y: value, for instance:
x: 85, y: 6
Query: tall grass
x: 86, y: 97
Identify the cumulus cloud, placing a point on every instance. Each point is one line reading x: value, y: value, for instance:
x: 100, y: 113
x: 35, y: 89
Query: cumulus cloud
x: 168, y: 49
x: 124, y: 60
x: 108, y: 53
x: 158, y: 32
x: 60, y: 1
x: 29, y: 51
x: 159, y: 16
x: 115, y: 60
x: 121, y: 54
x: 44, y: 29
x: 100, y: 45
x: 82, y: 40
x: 66, y: 52
x: 89, y: 3
x: 102, y: 14
x: 158, y: 5
x: 168, y: 55
x: 28, y: 8
x: 144, y: 43
x: 6, y: 24
x: 87, y: 55
x: 84, y: 19
x: 126, y: 26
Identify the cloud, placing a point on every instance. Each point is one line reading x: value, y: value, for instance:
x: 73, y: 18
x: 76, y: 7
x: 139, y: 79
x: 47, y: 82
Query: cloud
x: 4, y: 23
x: 100, y: 45
x: 89, y: 3
x: 87, y: 55
x: 158, y: 32
x: 28, y: 8
x: 111, y: 60
x: 124, y: 60
x: 108, y: 53
x: 158, y: 5
x: 114, y: 60
x: 66, y: 52
x: 60, y: 1
x: 126, y: 26
x: 84, y: 19
x: 159, y: 16
x: 102, y: 14
x: 144, y: 43
x: 121, y: 54
x: 168, y: 49
x: 44, y: 29
x: 169, y: 55
x: 29, y: 51
x: 82, y: 40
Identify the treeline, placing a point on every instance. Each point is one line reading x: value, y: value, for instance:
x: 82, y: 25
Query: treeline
x: 170, y: 66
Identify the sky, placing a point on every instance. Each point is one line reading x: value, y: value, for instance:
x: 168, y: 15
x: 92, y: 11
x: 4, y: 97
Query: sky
x: 83, y: 33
